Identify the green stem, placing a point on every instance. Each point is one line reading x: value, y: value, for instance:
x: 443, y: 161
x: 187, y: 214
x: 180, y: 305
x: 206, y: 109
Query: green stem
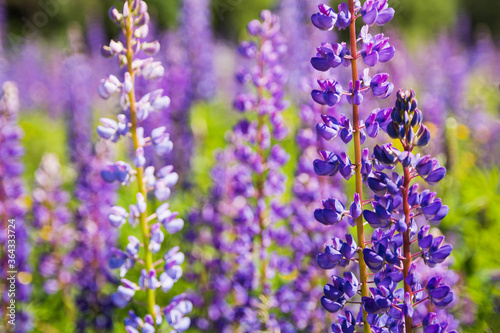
x: 260, y: 196
x: 140, y: 172
x: 261, y: 179
x: 357, y: 161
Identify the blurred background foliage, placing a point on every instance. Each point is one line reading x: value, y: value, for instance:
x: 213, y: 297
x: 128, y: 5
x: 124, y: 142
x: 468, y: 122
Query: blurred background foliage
x: 422, y: 18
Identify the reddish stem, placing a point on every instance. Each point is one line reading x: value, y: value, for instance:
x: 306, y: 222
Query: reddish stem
x: 407, y: 244
x: 357, y: 161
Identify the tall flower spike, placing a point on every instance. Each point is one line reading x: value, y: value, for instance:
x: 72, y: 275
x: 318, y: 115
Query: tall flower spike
x: 373, y: 50
x: 134, y: 21
x: 255, y: 147
x: 55, y: 235
x: 177, y: 81
x: 248, y: 192
x: 197, y: 35
x: 13, y: 212
x: 396, y: 205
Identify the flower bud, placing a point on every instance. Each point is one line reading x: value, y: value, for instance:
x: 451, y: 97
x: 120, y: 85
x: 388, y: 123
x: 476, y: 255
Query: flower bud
x: 109, y: 86
x: 116, y: 47
x: 132, y: 247
x: 143, y: 20
x: 254, y: 27
x: 135, y: 5
x: 423, y: 136
x: 153, y: 70
x: 416, y: 118
x: 106, y: 52
x: 127, y: 83
x: 108, y: 129
x: 108, y: 173
x: 160, y: 103
x: 151, y: 48
x: 143, y: 7
x: 139, y: 159
x: 161, y: 141
x: 126, y: 10
x: 114, y: 14
x: 141, y: 203
x: 122, y: 171
x: 118, y: 216
x: 386, y: 154
x: 142, y: 31
x: 123, y: 127
x: 174, y: 226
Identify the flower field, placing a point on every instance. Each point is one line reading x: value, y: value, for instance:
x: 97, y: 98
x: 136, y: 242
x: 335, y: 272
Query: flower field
x: 267, y: 166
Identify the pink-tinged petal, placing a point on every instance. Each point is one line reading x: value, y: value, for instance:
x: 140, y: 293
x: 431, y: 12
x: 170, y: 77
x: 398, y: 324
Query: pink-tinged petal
x: 371, y: 59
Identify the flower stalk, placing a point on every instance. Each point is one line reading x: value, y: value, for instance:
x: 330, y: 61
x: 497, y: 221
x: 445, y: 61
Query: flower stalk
x: 407, y: 243
x: 134, y: 21
x: 357, y: 164
x: 148, y: 256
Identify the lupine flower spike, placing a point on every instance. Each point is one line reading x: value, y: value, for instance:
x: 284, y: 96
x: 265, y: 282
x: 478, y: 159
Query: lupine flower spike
x: 397, y: 205
x: 155, y: 275
x: 55, y: 234
x: 13, y: 214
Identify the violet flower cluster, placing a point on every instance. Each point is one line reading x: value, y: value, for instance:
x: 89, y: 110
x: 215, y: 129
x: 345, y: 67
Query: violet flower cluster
x: 55, y: 235
x: 176, y: 82
x: 298, y: 300
x: 246, y: 205
x: 163, y: 273
x: 190, y: 75
x: 13, y: 208
x: 398, y: 209
x: 261, y: 182
x: 397, y: 204
x: 197, y: 35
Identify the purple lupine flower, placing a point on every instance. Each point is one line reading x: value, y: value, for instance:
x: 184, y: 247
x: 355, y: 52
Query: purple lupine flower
x: 250, y: 183
x: 325, y: 19
x: 197, y: 35
x: 134, y: 21
x: 212, y: 214
x: 375, y: 48
x: 252, y: 146
x: 387, y: 247
x: 27, y: 67
x: 376, y: 12
x: 395, y: 204
x: 330, y: 56
x: 95, y: 35
x: 344, y: 17
x: 329, y: 94
x: 294, y: 15
x: 13, y: 210
x: 55, y: 235
x: 380, y: 86
x: 177, y: 81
